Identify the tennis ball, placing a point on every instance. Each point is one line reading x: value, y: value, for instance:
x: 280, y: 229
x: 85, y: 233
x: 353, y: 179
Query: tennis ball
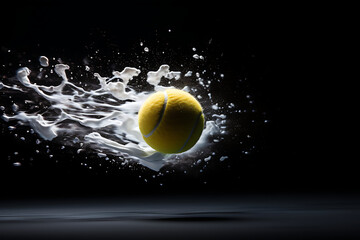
x: 171, y: 121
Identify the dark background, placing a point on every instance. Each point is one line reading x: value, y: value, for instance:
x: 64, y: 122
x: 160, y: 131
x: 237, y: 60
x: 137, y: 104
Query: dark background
x: 288, y: 54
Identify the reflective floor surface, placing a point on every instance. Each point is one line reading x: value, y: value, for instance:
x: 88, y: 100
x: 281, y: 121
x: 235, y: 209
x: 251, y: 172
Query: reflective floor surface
x: 183, y: 217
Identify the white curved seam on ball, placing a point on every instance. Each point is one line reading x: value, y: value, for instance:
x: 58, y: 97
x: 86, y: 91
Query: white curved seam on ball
x: 191, y: 133
x: 161, y: 116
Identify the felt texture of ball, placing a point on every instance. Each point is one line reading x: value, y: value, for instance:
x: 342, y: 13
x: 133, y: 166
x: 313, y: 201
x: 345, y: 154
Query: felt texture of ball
x: 171, y: 121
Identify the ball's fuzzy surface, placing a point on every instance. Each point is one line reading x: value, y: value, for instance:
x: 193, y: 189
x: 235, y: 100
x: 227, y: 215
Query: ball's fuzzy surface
x: 171, y: 121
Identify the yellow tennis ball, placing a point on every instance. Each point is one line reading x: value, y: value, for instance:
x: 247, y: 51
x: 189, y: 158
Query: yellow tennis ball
x: 171, y: 121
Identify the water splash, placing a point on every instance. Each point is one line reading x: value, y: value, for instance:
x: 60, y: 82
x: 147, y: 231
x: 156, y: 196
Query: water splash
x: 102, y: 118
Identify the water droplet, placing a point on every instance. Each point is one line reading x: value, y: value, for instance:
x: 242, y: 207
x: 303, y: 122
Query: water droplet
x: 222, y: 158
x: 44, y: 61
x: 188, y: 74
x: 215, y: 107
x: 15, y: 107
x: 101, y: 154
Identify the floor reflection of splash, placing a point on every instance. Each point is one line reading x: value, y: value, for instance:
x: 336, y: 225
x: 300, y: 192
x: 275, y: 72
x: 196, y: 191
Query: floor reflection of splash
x: 104, y: 119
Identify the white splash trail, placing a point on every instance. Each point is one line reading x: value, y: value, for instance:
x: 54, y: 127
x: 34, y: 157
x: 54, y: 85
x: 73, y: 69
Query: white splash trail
x: 105, y: 119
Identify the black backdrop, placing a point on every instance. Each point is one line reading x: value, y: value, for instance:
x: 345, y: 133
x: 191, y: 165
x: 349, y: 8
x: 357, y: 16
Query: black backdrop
x: 282, y: 50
